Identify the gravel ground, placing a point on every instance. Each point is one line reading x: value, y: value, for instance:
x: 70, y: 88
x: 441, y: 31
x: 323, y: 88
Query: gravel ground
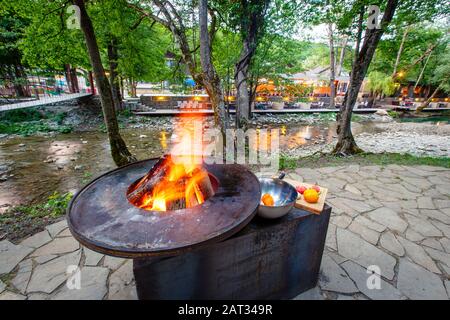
x: 420, y: 139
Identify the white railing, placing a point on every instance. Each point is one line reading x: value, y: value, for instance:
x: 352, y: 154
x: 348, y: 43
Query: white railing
x: 43, y: 101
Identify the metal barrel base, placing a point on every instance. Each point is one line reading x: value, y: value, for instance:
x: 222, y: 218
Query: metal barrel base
x: 268, y: 259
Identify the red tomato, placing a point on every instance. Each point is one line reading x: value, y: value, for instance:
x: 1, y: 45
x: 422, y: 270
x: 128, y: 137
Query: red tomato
x: 300, y: 189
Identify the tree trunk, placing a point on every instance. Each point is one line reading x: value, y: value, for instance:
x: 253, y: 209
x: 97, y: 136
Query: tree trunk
x: 68, y: 78
x: 399, y: 52
x: 421, y: 71
x: 240, y: 81
x: 358, y: 37
x: 427, y: 102
x: 74, y: 80
x: 18, y: 78
x: 132, y: 87
x: 91, y: 83
x: 121, y: 88
x: 332, y: 65
x: 210, y: 76
x: 179, y: 34
x: 342, y: 56
x: 253, y: 85
x: 346, y: 143
x: 426, y: 91
x: 244, y: 96
x: 113, y: 79
x: 119, y: 150
x: 252, y: 25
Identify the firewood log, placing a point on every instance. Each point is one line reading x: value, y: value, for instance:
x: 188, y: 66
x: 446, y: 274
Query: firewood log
x: 176, y: 195
x: 191, y: 197
x: 203, y: 187
x: 146, y: 184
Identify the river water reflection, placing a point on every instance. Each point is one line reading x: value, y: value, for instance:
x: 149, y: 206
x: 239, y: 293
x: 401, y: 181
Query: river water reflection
x: 34, y: 167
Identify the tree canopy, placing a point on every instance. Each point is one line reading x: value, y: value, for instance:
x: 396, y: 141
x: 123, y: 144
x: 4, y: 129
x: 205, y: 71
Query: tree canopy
x: 34, y: 34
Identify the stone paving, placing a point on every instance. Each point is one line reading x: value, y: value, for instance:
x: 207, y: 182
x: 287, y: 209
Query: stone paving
x: 394, y: 217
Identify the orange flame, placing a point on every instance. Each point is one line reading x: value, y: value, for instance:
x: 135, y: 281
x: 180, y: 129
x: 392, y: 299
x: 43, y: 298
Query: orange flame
x: 184, y: 174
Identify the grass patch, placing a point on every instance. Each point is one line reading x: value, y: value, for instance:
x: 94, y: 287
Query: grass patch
x: 102, y: 127
x: 87, y: 176
x: 382, y: 159
x: 21, y: 115
x: 356, y: 118
x: 58, y: 117
x: 21, y: 221
x: 393, y: 114
x: 288, y: 162
x: 30, y: 121
x: 29, y: 128
x: 126, y: 113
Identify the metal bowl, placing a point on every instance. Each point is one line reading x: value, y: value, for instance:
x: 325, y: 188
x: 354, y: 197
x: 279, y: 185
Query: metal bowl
x: 284, y: 196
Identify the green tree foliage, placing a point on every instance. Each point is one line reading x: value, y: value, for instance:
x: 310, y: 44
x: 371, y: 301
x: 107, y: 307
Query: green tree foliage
x: 278, y: 56
x: 11, y: 26
x: 11, y: 66
x: 419, y: 39
x: 441, y: 74
x: 34, y: 33
x: 141, y: 44
x: 226, y: 48
x: 380, y: 83
x: 47, y: 43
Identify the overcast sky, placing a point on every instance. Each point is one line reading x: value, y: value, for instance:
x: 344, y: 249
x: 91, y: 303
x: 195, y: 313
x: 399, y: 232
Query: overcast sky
x: 315, y: 34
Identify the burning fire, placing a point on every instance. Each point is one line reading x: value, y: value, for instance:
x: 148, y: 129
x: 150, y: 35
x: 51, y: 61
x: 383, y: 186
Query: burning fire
x: 179, y: 188
x: 177, y: 180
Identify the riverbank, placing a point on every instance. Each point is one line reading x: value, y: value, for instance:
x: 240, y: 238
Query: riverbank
x: 70, y: 117
x: 418, y: 139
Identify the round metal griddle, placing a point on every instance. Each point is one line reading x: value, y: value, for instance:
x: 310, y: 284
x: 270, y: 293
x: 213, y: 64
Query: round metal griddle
x: 101, y: 218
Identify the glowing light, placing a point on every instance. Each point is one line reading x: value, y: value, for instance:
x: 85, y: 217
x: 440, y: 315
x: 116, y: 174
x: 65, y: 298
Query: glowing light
x: 401, y: 74
x: 161, y: 98
x: 286, y: 99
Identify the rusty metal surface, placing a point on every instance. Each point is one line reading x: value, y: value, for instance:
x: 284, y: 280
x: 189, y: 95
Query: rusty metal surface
x: 268, y: 259
x: 101, y: 218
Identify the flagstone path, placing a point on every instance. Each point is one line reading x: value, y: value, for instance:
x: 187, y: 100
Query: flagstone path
x: 396, y: 218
